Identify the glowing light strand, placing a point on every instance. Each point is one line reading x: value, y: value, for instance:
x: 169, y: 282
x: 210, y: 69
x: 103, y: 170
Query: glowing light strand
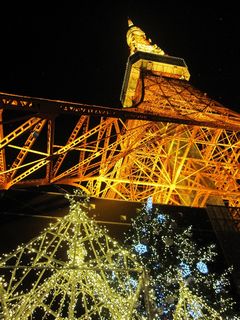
x: 173, y: 258
x: 67, y: 273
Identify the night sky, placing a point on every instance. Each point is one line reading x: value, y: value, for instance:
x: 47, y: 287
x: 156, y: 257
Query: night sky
x: 80, y: 54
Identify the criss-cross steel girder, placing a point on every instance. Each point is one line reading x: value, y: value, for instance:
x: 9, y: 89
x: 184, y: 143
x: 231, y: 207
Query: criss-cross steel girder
x: 169, y: 141
x: 177, y: 145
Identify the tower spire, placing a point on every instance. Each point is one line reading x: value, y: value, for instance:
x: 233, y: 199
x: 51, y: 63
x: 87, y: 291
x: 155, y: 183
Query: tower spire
x: 130, y: 23
x: 147, y: 57
x: 138, y: 41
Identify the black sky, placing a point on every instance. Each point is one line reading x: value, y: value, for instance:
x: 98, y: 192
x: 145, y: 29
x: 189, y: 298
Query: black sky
x: 80, y: 54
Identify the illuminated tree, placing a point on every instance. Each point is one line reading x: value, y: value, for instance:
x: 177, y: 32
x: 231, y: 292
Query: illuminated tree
x: 73, y: 270
x: 190, y: 306
x: 172, y: 258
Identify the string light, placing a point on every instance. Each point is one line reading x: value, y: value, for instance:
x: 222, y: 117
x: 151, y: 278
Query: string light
x: 202, y: 267
x: 72, y: 270
x: 178, y: 269
x: 140, y: 248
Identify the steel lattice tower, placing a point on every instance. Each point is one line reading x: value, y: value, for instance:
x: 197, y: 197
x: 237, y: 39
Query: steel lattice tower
x: 169, y: 141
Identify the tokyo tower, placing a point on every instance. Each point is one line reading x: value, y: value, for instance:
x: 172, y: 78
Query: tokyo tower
x: 169, y: 141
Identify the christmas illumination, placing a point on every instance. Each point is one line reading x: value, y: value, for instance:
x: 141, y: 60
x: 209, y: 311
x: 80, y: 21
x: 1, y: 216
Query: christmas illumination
x: 191, y: 306
x: 73, y: 270
x: 180, y: 284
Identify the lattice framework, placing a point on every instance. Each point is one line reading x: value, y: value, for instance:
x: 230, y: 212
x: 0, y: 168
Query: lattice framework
x: 119, y: 157
x: 72, y: 270
x: 190, y: 306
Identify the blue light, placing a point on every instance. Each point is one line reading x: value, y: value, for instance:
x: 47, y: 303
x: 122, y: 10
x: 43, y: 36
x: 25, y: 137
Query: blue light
x: 133, y: 282
x: 161, y: 217
x: 218, y: 286
x: 202, y: 267
x: 140, y: 248
x: 195, y: 310
x: 149, y: 204
x: 185, y: 269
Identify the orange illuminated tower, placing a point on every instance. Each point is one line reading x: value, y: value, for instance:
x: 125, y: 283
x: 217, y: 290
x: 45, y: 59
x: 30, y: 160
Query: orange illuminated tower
x: 169, y: 141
